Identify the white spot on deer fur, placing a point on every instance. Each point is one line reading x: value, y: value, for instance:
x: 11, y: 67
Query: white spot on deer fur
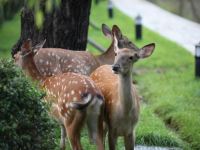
x: 72, y: 92
x: 68, y: 112
x: 54, y: 85
x: 79, y: 92
x: 66, y: 115
x: 74, y: 99
x: 75, y: 82
x: 68, y: 95
x: 93, y: 85
x: 55, y: 70
x: 49, y: 54
x: 58, y: 57
x: 41, y: 61
x: 66, y: 105
x: 47, y: 63
x: 42, y: 69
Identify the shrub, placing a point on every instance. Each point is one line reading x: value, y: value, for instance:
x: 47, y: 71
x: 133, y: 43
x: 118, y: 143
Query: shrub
x: 24, y: 120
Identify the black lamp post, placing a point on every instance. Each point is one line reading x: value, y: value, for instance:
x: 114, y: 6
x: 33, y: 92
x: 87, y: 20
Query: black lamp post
x: 96, y: 2
x: 197, y: 60
x: 138, y: 27
x: 110, y: 9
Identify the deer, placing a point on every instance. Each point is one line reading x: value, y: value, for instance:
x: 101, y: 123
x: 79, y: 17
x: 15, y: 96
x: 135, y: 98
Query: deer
x: 74, y: 99
x: 52, y: 61
x: 121, y: 97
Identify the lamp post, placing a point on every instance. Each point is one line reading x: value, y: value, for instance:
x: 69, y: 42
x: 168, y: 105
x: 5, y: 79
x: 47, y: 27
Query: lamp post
x: 197, y: 60
x: 96, y: 2
x: 138, y: 27
x: 110, y: 9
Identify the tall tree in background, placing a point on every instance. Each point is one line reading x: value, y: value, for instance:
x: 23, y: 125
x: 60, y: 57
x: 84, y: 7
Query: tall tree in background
x: 195, y: 9
x: 65, y: 26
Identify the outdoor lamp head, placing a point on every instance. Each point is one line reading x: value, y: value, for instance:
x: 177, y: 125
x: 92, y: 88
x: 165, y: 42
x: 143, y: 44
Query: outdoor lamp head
x: 197, y: 50
x: 138, y: 19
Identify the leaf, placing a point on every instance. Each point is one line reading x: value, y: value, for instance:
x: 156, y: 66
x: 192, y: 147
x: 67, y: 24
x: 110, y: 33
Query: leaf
x: 49, y: 5
x: 39, y: 18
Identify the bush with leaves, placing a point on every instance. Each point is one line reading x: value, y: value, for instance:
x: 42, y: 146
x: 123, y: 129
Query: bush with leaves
x: 24, y: 120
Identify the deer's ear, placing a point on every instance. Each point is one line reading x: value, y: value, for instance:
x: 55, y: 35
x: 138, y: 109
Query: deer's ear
x: 147, y: 50
x: 26, y: 46
x: 115, y: 42
x: 106, y: 31
x: 116, y: 30
x: 38, y: 46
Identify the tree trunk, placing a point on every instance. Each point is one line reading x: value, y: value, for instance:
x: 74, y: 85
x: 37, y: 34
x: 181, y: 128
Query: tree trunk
x: 181, y: 7
x: 64, y: 27
x: 194, y: 11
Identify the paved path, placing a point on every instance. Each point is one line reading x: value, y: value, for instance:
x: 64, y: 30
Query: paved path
x: 139, y: 147
x: 184, y: 32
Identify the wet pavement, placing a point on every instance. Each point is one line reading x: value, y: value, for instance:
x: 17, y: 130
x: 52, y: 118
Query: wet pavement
x: 180, y: 30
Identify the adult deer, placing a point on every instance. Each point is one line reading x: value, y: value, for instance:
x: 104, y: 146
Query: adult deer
x: 74, y: 98
x: 121, y: 98
x: 51, y: 61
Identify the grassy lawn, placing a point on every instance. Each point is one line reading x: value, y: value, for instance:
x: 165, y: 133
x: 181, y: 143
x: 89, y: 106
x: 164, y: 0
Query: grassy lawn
x: 171, y: 95
x: 9, y: 34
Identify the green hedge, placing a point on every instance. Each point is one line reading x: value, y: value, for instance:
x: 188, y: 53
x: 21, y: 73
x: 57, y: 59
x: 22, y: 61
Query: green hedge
x: 24, y: 120
x: 8, y: 8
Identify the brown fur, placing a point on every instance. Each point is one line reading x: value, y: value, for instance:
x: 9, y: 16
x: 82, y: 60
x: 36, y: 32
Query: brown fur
x: 52, y: 61
x: 121, y: 98
x: 65, y: 92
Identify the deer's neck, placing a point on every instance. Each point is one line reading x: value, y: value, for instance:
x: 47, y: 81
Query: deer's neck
x: 31, y: 69
x: 126, y: 99
x: 107, y: 57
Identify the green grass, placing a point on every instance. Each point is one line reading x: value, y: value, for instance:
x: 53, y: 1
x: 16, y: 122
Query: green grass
x: 171, y: 95
x: 9, y: 34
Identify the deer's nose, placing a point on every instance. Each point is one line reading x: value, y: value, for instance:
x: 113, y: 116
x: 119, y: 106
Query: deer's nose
x: 115, y: 67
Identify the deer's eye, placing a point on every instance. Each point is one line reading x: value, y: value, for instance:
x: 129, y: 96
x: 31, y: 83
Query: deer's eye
x: 115, y: 54
x: 131, y: 57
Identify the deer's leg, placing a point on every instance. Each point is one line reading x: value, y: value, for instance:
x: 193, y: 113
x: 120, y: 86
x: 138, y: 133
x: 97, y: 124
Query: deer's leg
x: 74, y: 138
x: 73, y: 131
x: 100, y: 135
x: 63, y: 136
x: 129, y: 141
x: 112, y: 139
x: 95, y: 129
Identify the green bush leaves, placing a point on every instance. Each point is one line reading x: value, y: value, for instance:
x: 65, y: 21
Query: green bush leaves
x: 24, y: 120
